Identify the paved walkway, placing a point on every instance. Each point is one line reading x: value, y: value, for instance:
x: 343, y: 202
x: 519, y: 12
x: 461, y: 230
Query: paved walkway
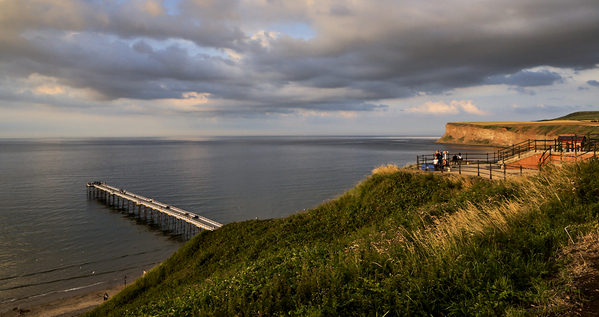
x: 485, y: 171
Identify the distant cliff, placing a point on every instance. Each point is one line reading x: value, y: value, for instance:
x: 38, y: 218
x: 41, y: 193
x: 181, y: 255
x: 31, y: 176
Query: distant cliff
x: 511, y: 132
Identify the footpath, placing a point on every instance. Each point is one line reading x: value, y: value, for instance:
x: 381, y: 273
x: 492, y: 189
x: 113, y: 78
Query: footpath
x: 491, y: 171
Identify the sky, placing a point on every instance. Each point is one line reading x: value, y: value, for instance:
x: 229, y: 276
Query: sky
x: 194, y: 68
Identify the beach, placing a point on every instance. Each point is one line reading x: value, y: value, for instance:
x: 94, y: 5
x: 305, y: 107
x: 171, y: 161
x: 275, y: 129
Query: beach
x: 65, y: 307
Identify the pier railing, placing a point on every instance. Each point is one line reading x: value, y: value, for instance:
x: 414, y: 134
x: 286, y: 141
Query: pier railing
x: 119, y: 196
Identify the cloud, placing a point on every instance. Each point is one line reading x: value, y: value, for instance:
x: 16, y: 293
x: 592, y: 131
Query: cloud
x: 454, y: 107
x: 527, y: 79
x: 234, y: 51
x: 524, y: 91
x: 593, y: 83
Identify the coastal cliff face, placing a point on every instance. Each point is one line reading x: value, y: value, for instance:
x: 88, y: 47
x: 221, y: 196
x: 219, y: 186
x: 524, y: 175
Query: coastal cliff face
x: 461, y: 133
x: 509, y: 133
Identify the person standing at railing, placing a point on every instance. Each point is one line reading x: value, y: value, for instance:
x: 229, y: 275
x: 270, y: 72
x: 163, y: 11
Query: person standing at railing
x: 438, y: 161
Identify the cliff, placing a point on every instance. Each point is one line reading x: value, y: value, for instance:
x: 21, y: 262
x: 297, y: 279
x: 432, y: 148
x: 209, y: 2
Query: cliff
x: 512, y: 132
x: 393, y: 245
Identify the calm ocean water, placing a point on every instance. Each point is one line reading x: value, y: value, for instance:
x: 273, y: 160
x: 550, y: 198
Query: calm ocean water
x: 56, y: 242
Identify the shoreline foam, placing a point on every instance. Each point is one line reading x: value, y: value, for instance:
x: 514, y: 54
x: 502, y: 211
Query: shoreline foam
x: 67, y: 306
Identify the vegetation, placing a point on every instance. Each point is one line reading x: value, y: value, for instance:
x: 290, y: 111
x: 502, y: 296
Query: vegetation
x: 502, y: 132
x: 565, y: 129
x: 401, y: 243
x: 581, y: 116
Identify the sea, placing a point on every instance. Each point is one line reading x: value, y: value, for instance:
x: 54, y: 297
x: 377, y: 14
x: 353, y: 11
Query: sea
x: 57, y: 241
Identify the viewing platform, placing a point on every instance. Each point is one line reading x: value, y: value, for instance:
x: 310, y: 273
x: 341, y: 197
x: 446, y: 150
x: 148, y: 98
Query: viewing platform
x: 525, y: 157
x: 120, y: 196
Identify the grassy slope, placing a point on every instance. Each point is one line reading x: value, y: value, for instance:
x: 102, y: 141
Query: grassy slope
x: 581, y: 115
x: 574, y: 123
x: 399, y: 243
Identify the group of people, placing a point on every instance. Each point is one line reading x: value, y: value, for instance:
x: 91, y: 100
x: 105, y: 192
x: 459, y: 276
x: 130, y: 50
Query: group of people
x: 441, y: 159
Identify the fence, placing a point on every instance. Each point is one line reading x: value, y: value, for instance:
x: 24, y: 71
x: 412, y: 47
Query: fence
x: 483, y: 164
x: 479, y: 164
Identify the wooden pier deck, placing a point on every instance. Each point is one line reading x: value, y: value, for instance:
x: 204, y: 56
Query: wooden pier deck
x: 178, y: 213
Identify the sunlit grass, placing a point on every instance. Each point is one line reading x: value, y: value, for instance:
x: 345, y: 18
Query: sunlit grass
x: 400, y: 243
x: 386, y: 169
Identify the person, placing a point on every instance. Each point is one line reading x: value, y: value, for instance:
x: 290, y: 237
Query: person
x: 454, y: 159
x: 436, y: 158
x: 445, y: 158
x: 460, y: 157
x: 105, y: 296
x: 439, y: 160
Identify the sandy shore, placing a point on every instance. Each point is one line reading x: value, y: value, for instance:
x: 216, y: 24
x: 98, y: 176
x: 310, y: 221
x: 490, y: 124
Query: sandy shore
x: 67, y: 307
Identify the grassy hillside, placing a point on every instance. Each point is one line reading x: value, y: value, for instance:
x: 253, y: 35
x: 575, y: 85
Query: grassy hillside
x: 401, y: 243
x: 581, y: 116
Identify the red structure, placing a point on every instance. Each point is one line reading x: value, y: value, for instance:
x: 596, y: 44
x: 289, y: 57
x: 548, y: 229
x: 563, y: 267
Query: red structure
x: 571, y: 142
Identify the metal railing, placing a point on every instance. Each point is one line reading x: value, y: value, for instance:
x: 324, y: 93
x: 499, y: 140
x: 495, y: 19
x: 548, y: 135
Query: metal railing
x: 497, y: 160
x: 482, y: 163
x: 525, y: 146
x: 576, y: 153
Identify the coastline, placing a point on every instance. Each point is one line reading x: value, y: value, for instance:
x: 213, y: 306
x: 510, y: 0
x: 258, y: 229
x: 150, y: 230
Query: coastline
x: 65, y: 307
x: 506, y: 133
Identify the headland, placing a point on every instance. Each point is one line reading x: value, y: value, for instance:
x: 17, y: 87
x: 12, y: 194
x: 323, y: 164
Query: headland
x: 505, y: 133
x: 402, y: 242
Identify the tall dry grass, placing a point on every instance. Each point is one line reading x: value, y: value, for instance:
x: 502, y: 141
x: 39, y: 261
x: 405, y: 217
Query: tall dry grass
x: 386, y: 169
x: 490, y: 218
x: 398, y: 244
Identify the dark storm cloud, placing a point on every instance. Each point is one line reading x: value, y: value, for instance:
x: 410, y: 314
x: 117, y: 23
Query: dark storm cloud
x: 361, y: 52
x: 524, y: 91
x: 259, y: 111
x: 528, y: 79
x: 117, y: 70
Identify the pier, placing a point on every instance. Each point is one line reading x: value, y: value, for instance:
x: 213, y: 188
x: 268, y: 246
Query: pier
x: 123, y: 199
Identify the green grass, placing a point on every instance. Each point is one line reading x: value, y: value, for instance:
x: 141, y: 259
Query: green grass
x: 566, y: 129
x: 398, y: 244
x: 580, y: 115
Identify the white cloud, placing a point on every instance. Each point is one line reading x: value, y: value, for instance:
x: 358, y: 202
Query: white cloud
x: 454, y: 107
x: 256, y: 59
x: 469, y: 107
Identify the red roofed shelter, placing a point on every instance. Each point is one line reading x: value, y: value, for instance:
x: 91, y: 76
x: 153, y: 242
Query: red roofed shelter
x: 571, y: 142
